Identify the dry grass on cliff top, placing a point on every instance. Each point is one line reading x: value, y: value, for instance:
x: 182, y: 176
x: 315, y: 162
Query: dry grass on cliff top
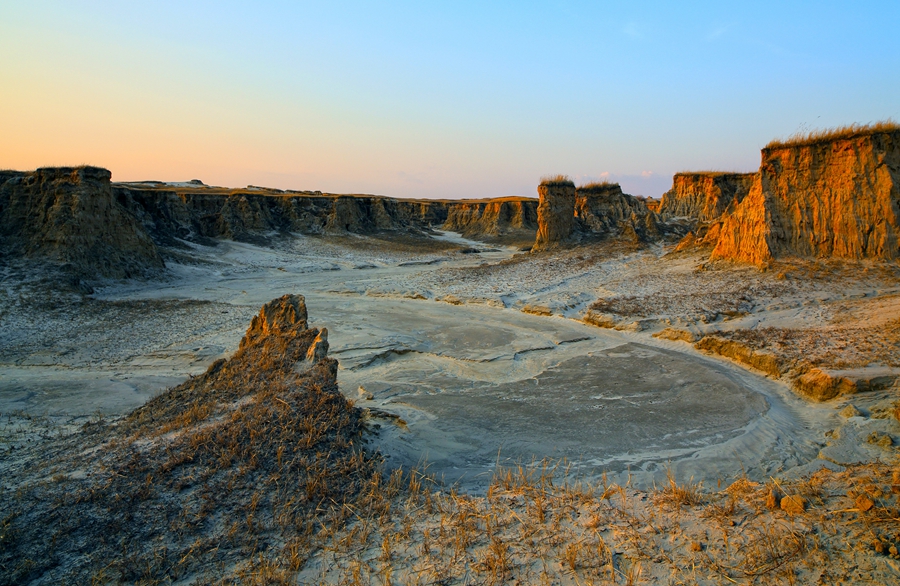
x: 557, y: 180
x: 710, y: 173
x: 598, y: 186
x: 836, y: 133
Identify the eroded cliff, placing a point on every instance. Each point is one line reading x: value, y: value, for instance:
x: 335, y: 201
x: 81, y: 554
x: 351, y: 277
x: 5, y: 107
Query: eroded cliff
x: 567, y: 215
x: 832, y: 197
x: 503, y: 219
x: 198, y: 213
x: 603, y: 210
x: 704, y: 196
x: 69, y: 215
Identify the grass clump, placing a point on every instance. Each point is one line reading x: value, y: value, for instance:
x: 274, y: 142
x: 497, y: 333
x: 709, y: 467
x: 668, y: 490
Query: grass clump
x: 551, y: 180
x: 599, y: 187
x: 831, y: 134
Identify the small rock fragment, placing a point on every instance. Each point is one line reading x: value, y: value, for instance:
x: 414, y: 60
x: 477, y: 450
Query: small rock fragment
x: 696, y: 546
x: 881, y: 440
x: 850, y: 411
x: 880, y: 547
x: 893, y: 550
x: 793, y: 504
x: 864, y: 503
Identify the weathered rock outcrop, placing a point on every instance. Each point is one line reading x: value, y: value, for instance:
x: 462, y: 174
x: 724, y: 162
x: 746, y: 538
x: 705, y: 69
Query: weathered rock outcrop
x: 604, y: 210
x: 70, y: 216
x: 832, y: 197
x: 596, y: 211
x: 555, y: 214
x: 704, y: 196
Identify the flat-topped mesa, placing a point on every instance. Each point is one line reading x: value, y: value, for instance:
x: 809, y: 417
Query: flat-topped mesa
x: 602, y: 209
x: 831, y: 195
x: 70, y: 215
x: 555, y: 213
x: 704, y: 195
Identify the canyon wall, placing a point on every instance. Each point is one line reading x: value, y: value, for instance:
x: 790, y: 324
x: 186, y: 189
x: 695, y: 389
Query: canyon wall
x: 198, y: 213
x: 501, y: 219
x: 704, y: 196
x: 70, y: 216
x: 79, y: 219
x: 836, y: 197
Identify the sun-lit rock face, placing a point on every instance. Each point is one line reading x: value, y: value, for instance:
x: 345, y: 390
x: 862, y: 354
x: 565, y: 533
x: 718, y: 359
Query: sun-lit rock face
x: 836, y: 198
x: 278, y: 317
x: 555, y: 214
x: 70, y: 215
x: 704, y: 196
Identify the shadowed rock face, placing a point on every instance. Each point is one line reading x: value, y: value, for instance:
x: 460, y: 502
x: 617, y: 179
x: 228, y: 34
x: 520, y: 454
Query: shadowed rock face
x: 70, y: 215
x: 556, y: 214
x: 238, y: 214
x: 497, y: 217
x: 606, y: 211
x: 839, y: 198
x: 704, y: 196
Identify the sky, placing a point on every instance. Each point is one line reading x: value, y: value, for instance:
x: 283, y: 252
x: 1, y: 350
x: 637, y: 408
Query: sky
x: 450, y: 99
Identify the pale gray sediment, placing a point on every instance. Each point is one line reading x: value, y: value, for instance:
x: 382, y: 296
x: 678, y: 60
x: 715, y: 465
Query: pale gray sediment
x: 470, y: 379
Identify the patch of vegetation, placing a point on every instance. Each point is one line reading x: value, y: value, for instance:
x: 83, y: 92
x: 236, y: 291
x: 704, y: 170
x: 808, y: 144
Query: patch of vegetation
x: 831, y: 134
x: 557, y: 180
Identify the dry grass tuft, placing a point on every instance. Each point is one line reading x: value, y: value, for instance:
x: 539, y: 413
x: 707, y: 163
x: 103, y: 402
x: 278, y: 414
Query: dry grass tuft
x: 831, y: 134
x: 557, y: 180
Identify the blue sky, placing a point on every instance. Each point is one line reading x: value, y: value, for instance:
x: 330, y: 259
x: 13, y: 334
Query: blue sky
x: 436, y: 99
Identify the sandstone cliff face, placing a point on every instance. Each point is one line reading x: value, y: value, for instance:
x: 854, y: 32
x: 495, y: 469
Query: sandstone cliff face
x: 70, y: 216
x: 555, y: 214
x: 837, y: 198
x: 704, y: 196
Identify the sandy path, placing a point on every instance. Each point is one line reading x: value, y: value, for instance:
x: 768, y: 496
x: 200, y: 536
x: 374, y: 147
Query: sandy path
x: 466, y: 380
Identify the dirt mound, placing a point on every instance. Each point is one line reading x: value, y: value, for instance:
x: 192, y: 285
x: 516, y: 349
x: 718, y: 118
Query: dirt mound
x: 230, y: 474
x: 70, y: 216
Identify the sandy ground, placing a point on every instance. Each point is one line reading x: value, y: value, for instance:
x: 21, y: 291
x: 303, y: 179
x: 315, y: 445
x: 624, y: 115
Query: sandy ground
x: 465, y: 360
